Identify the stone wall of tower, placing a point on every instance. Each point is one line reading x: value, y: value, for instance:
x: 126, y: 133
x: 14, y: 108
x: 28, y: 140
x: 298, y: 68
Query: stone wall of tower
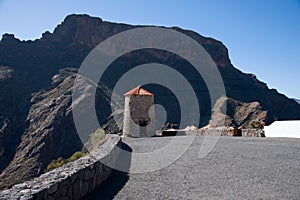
x: 139, y: 120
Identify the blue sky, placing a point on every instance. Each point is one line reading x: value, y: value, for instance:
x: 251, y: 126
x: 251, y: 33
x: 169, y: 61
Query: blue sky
x: 262, y: 36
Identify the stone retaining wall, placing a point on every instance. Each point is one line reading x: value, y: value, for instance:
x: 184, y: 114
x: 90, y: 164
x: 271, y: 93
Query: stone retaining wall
x: 228, y: 132
x: 218, y: 131
x: 253, y: 132
x: 71, y: 181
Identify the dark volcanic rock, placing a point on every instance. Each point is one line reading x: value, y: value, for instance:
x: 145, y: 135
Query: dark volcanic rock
x: 34, y: 114
x: 9, y: 108
x: 297, y: 100
x: 238, y: 112
x: 51, y: 132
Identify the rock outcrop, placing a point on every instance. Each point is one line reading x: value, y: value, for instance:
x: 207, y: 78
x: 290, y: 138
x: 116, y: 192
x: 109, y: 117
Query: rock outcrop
x: 34, y: 116
x: 242, y: 114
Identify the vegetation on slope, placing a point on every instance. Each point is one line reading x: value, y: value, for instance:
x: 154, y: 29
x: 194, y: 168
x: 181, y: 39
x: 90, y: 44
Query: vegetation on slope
x: 96, y: 140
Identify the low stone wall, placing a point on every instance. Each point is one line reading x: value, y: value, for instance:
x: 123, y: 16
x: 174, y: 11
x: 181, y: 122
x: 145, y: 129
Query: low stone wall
x: 71, y: 181
x: 228, y: 132
x: 218, y: 131
x: 253, y: 133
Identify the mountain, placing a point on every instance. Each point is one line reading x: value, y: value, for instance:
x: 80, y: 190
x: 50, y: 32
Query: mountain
x: 297, y: 100
x: 50, y: 131
x: 36, y: 81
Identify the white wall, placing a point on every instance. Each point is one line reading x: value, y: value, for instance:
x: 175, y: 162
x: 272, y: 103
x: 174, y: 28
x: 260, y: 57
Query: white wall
x: 283, y: 129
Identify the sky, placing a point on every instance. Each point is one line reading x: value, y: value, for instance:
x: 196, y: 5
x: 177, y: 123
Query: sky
x: 263, y: 37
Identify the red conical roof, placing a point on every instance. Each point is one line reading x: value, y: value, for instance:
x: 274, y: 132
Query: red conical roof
x: 138, y: 91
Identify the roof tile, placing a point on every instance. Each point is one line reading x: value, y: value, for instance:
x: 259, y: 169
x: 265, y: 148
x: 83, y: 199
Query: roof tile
x: 138, y: 91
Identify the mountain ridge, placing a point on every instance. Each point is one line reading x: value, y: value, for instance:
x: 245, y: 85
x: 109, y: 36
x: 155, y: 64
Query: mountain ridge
x: 297, y: 100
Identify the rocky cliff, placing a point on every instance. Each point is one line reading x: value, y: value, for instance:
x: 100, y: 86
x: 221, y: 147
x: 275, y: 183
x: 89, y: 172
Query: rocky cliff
x: 35, y: 119
x: 50, y: 131
x: 237, y: 112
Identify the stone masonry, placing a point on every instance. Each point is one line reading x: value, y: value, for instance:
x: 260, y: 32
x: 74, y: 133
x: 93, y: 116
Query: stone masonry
x: 71, y: 181
x: 139, y: 120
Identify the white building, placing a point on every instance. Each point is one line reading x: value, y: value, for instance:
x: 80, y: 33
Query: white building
x: 283, y: 129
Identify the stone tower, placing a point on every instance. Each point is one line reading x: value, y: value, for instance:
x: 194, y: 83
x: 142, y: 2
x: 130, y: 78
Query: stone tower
x: 139, y: 113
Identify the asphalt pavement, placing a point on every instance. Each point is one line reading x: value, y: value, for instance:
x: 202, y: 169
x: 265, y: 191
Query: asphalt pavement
x: 236, y: 168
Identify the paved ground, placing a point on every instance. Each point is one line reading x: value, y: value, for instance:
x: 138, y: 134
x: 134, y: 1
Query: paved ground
x: 237, y: 168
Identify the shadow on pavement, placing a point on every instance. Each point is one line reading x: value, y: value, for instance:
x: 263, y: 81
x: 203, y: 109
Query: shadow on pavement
x: 110, y: 188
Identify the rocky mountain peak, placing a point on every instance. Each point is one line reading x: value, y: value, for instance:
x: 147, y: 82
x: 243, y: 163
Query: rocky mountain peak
x: 9, y: 38
x: 77, y: 29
